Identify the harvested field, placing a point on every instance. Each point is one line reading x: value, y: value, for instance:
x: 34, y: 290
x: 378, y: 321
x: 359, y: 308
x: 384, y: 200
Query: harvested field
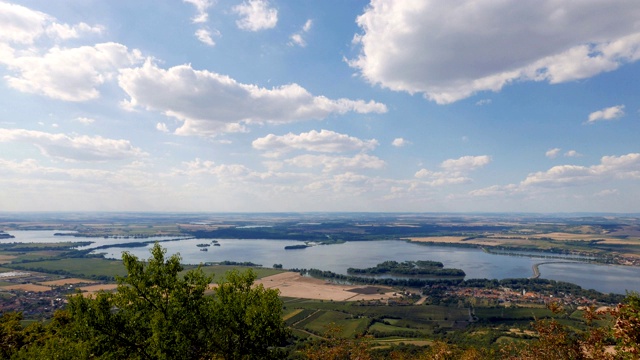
x: 26, y: 287
x: 70, y: 281
x: 92, y: 289
x: 294, y: 285
x: 561, y: 236
x: 6, y: 259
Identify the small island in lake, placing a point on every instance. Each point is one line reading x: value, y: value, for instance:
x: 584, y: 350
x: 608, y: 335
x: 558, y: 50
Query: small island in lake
x: 296, y: 247
x: 412, y: 268
x: 4, y: 235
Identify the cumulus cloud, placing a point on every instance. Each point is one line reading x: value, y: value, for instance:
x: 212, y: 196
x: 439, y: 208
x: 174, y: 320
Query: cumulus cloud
x: 572, y: 153
x: 21, y: 25
x: 256, y: 15
x: 162, y: 127
x: 465, y: 163
x: 610, y: 113
x: 552, y: 153
x: 199, y: 167
x: 85, y: 120
x: 400, y: 142
x: 65, y: 31
x: 610, y: 167
x: 319, y: 141
x: 337, y: 163
x: 298, y: 37
x: 201, y: 6
x: 454, y: 171
x: 205, y: 36
x: 209, y: 103
x: 69, y: 74
x: 73, y: 148
x: 450, y: 50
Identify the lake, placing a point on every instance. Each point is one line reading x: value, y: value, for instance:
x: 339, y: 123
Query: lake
x: 362, y: 254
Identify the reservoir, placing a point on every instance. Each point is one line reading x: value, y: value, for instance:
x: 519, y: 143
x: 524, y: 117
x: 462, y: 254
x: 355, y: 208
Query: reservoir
x: 362, y: 254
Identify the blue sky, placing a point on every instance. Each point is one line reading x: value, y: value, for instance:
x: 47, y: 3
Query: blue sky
x: 333, y: 105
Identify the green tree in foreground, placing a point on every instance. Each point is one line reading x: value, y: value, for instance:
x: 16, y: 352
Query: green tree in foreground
x: 157, y: 313
x: 154, y: 314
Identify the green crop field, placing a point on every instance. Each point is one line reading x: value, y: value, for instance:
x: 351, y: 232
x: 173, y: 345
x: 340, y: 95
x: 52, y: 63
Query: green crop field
x: 81, y: 267
x: 346, y: 324
x: 220, y: 270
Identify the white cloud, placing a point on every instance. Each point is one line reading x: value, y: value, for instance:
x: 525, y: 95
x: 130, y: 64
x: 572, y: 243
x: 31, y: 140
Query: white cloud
x: 320, y: 141
x: 85, y: 120
x: 199, y: 167
x: 609, y: 113
x: 400, y: 142
x: 298, y: 37
x: 606, y: 192
x: 69, y: 74
x: 307, y: 25
x: 495, y: 190
x: 572, y: 153
x: 65, y: 31
x: 610, y: 167
x: 465, y: 163
x: 208, y: 103
x: 256, y: 15
x: 454, y: 171
x: 73, y: 148
x: 204, y: 36
x: 162, y: 127
x: 450, y: 50
x: 26, y: 182
x: 552, y: 153
x: 337, y: 163
x: 21, y: 25
x: 201, y: 6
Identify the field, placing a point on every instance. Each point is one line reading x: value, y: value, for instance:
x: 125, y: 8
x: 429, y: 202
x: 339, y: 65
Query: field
x: 624, y: 241
x: 92, y: 289
x: 218, y: 271
x: 5, y: 259
x: 81, y: 267
x: 26, y: 287
x: 69, y: 281
x: 294, y: 285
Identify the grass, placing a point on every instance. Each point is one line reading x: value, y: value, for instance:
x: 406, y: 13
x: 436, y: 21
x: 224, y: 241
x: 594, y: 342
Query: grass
x: 347, y: 325
x: 81, y: 267
x: 218, y: 271
x: 392, y: 331
x: 297, y: 315
x: 352, y: 318
x: 513, y: 313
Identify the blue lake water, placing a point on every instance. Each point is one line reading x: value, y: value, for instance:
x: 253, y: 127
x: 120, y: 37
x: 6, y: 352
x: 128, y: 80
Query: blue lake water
x: 361, y: 254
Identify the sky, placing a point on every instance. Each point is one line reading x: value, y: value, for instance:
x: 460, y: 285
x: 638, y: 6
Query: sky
x: 309, y: 105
